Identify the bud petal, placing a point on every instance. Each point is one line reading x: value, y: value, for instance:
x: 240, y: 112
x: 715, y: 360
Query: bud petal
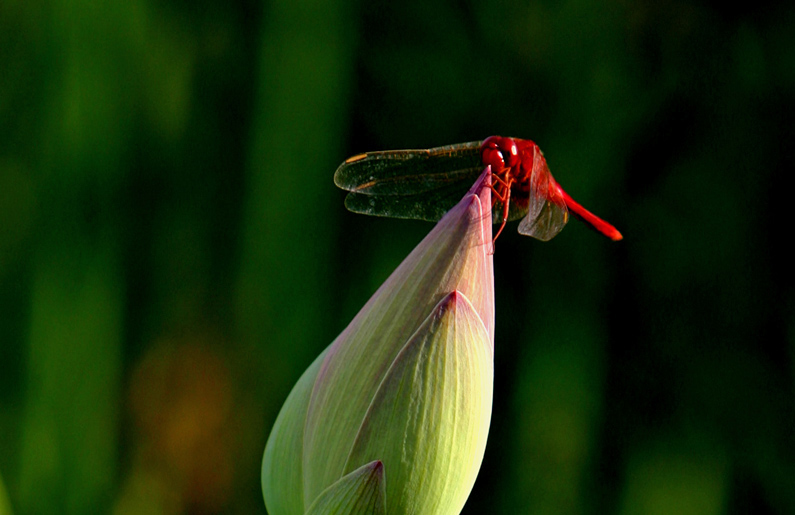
x: 431, y: 412
x: 359, y: 493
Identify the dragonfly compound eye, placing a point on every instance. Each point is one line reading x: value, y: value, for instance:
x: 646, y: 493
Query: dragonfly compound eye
x: 510, y: 151
x: 491, y: 155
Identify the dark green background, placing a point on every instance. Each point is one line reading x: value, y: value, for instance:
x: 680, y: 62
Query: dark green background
x: 173, y: 252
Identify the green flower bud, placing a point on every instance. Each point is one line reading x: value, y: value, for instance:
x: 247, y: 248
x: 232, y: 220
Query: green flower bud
x: 408, y: 384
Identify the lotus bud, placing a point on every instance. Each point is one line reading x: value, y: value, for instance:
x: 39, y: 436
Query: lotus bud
x: 395, y: 413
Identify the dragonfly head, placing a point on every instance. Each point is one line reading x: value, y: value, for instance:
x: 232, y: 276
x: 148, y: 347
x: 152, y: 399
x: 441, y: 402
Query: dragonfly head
x: 499, y: 152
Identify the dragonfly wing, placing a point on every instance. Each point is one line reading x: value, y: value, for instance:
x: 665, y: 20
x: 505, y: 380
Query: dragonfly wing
x: 549, y: 222
x: 430, y: 205
x: 407, y: 172
x: 516, y: 210
x: 421, y: 184
x: 546, y: 210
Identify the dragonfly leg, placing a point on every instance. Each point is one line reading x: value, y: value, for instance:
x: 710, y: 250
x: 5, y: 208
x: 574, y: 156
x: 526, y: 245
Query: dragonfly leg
x: 499, y: 180
x: 502, y: 193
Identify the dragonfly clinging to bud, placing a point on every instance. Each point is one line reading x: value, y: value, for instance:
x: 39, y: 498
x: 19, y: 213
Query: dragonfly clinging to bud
x: 424, y: 184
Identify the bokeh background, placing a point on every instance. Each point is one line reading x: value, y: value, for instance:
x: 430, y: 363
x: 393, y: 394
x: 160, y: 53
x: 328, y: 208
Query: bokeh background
x: 173, y: 252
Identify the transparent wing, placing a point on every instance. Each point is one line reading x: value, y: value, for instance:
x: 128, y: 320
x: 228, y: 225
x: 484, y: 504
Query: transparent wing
x: 546, y: 208
x: 429, y: 205
x: 420, y: 184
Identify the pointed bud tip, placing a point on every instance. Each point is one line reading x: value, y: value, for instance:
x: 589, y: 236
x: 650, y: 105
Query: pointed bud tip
x: 477, y: 204
x: 376, y: 473
x: 483, y: 182
x: 451, y: 301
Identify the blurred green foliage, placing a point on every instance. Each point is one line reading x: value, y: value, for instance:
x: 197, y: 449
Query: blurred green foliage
x: 173, y: 252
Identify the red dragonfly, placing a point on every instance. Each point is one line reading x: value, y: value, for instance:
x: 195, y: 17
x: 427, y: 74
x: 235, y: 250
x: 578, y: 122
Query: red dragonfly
x: 425, y: 184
